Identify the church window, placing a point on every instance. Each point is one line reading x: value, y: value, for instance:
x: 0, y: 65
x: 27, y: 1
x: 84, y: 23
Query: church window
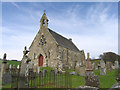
x: 43, y: 22
x: 43, y: 40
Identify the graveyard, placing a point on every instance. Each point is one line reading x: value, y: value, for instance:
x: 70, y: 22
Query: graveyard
x: 103, y: 76
x: 78, y: 80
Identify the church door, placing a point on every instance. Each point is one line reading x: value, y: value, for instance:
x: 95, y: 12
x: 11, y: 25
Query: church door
x: 40, y: 61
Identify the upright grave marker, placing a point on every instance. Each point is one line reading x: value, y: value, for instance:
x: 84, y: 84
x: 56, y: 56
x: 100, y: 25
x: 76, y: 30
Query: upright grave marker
x: 102, y: 68
x: 89, y: 69
x: 116, y: 64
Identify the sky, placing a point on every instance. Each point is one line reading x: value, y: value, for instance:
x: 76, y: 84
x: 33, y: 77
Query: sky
x: 93, y: 26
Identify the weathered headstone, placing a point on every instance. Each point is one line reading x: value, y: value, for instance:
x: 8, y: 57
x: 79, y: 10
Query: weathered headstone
x: 92, y: 80
x: 96, y: 66
x: 89, y: 69
x: 6, y: 78
x: 13, y: 67
x: 38, y: 70
x: 113, y: 67
x: 24, y: 62
x: 18, y: 67
x: 73, y: 73
x: 10, y: 67
x: 55, y: 70
x: 82, y: 71
x: 44, y: 72
x: 116, y: 64
x: 102, y: 68
x: 109, y: 65
x: 4, y: 65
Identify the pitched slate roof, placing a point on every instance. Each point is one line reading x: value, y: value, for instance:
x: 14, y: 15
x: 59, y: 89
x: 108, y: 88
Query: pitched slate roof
x: 62, y: 41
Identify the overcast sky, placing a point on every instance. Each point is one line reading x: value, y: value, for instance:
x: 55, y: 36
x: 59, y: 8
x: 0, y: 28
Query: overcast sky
x: 93, y: 27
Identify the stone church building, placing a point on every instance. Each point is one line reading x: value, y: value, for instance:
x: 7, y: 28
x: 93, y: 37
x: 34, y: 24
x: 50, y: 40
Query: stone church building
x: 51, y: 49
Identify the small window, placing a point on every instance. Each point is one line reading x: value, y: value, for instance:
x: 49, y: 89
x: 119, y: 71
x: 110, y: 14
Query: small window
x: 43, y: 22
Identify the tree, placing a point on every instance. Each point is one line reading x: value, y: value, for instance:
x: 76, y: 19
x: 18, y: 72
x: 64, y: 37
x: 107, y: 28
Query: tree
x: 110, y: 56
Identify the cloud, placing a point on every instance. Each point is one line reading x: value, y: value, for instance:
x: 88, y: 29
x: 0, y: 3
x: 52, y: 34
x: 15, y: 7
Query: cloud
x: 14, y: 4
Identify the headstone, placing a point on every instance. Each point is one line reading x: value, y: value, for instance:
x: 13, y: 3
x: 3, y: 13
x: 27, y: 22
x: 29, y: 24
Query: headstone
x: 92, y: 80
x: 102, y: 68
x: 116, y: 64
x: 4, y: 65
x: 24, y: 63
x: 88, y: 64
x: 82, y: 71
x: 18, y: 67
x: 89, y: 69
x: 96, y: 66
x: 44, y: 72
x: 113, y: 67
x: 10, y: 66
x: 72, y: 73
x: 14, y: 67
x: 38, y: 70
x: 6, y: 79
x: 109, y: 65
x: 27, y: 70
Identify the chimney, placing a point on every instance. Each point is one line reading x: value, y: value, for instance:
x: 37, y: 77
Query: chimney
x: 70, y: 39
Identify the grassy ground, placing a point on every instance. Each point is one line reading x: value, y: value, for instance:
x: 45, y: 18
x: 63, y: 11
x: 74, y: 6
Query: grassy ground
x: 106, y: 81
x: 14, y: 63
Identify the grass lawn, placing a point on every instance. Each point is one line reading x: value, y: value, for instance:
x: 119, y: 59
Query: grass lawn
x: 12, y: 62
x: 106, y: 81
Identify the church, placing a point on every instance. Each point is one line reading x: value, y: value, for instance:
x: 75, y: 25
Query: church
x: 49, y: 49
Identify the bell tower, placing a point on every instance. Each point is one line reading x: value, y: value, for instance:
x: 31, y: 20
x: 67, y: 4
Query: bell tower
x: 43, y: 21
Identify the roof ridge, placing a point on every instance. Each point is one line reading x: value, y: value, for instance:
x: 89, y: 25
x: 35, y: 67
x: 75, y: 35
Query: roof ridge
x: 63, y: 41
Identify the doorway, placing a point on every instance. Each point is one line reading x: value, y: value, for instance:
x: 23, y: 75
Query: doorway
x: 40, y: 60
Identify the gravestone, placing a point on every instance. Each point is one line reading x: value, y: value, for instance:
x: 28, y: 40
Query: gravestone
x: 24, y: 62
x: 116, y: 65
x: 96, y: 66
x: 92, y: 80
x: 4, y: 64
x: 102, y: 68
x: 82, y: 71
x: 89, y: 69
x: 18, y: 67
x: 113, y: 67
x: 38, y: 69
x: 55, y: 70
x: 72, y: 73
x: 109, y: 65
x: 13, y: 67
x: 44, y: 72
x: 10, y: 67
x: 6, y: 78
